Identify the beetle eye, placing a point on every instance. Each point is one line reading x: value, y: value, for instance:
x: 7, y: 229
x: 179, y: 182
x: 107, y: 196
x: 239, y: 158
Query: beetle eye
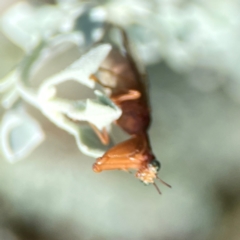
x: 156, y: 163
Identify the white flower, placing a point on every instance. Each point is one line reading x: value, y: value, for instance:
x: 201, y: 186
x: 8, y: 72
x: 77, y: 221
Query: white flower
x: 20, y: 134
x: 100, y: 112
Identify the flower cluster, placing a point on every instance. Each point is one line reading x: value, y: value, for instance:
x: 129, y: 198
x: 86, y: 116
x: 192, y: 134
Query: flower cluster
x: 186, y: 35
x: 26, y: 26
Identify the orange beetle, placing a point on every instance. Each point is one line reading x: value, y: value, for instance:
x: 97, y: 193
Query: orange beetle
x: 126, y: 86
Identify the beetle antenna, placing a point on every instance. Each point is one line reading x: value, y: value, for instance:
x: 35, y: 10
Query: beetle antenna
x: 155, y: 185
x: 166, y: 184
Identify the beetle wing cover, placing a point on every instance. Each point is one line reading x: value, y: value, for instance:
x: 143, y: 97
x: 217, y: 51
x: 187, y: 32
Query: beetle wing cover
x: 127, y: 148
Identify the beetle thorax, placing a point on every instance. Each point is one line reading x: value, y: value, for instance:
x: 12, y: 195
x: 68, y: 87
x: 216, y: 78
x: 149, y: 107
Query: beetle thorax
x: 147, y: 174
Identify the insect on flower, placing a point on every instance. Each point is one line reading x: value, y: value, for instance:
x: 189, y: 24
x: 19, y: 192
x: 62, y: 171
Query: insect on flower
x: 120, y: 77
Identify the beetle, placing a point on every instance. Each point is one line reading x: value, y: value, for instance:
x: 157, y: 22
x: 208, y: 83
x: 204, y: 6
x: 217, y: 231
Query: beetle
x: 119, y: 75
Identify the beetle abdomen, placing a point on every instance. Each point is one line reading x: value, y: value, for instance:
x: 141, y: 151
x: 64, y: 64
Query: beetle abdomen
x: 135, y: 117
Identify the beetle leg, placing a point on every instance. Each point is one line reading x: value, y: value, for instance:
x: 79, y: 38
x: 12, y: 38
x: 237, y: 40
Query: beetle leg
x: 97, y: 80
x: 130, y: 95
x: 102, y: 135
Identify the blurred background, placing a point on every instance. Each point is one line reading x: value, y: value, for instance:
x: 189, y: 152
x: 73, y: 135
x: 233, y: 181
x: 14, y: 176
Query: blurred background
x: 191, y: 53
